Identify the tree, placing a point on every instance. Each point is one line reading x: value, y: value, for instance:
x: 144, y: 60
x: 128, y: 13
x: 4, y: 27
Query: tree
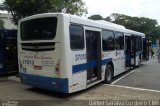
x: 142, y: 24
x: 1, y: 24
x: 154, y: 34
x: 23, y: 8
x: 135, y: 23
x: 108, y: 19
x: 96, y: 17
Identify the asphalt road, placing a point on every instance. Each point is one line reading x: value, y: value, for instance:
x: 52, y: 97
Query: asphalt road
x: 141, y: 83
x: 12, y: 90
x: 146, y: 76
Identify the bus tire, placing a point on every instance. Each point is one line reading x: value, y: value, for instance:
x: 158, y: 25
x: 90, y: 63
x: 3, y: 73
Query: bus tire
x: 108, y: 74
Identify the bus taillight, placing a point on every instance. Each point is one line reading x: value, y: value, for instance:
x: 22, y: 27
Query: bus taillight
x: 57, y: 67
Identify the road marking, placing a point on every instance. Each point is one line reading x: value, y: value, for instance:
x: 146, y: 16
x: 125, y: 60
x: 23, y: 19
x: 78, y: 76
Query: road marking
x: 141, y: 89
x: 122, y: 77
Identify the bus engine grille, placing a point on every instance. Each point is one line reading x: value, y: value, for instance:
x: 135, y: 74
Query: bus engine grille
x: 38, y: 46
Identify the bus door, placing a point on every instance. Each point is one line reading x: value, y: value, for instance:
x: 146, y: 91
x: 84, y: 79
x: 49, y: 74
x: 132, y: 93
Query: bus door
x: 145, y: 49
x: 93, y: 50
x: 137, y: 51
x: 133, y: 50
x: 140, y: 49
x: 128, y: 51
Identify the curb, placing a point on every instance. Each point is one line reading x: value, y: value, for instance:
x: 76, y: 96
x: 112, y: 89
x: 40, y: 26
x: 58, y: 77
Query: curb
x: 14, y: 78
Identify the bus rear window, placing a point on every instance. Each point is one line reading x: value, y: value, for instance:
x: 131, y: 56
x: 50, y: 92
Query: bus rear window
x: 39, y: 29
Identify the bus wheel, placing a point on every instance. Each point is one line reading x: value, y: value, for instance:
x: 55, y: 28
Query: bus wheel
x: 108, y: 74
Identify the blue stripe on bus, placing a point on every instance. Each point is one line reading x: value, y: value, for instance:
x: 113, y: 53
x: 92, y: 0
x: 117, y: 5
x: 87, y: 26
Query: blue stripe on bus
x: 91, y: 64
x: 80, y: 67
x: 53, y: 84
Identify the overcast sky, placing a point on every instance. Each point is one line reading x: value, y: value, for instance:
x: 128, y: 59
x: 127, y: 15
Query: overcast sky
x: 140, y: 8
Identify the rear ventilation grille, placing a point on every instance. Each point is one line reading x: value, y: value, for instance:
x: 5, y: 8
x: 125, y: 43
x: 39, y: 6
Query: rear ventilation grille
x: 38, y: 46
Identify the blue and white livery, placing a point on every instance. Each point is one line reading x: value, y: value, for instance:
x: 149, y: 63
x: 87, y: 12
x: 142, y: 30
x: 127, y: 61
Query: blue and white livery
x: 66, y: 53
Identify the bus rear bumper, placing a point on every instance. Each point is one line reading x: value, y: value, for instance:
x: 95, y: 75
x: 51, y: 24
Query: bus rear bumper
x: 48, y: 83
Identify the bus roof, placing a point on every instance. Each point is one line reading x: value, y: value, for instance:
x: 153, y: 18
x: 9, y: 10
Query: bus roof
x: 110, y: 23
x: 135, y: 33
x: 97, y: 24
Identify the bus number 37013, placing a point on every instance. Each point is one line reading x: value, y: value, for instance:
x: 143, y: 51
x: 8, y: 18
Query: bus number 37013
x: 28, y: 62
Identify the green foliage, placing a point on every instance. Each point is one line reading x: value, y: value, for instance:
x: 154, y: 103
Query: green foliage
x: 108, y: 19
x: 154, y: 34
x: 145, y: 25
x: 22, y: 8
x: 96, y: 17
x: 141, y: 24
x: 1, y: 24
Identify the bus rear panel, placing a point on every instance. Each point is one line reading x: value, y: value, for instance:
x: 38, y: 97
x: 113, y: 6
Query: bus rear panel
x: 39, y: 53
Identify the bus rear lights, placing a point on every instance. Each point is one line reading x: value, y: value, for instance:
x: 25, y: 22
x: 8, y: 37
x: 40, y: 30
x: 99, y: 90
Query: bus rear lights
x: 20, y: 66
x: 57, y: 67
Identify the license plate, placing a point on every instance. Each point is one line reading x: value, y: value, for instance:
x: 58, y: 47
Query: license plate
x: 37, y: 67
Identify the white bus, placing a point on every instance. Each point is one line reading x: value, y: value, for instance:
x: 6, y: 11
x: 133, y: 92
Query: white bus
x: 66, y: 53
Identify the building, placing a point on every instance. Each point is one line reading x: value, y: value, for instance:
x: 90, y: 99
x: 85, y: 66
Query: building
x: 7, y: 18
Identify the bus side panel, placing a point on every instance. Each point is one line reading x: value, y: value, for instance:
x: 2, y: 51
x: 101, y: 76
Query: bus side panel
x: 79, y: 70
x: 119, y: 60
x: 79, y: 73
x: 107, y: 58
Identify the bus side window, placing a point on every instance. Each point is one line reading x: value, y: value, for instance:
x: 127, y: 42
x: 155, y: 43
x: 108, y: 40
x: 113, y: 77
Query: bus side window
x: 108, y: 42
x: 76, y: 37
x: 119, y: 38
